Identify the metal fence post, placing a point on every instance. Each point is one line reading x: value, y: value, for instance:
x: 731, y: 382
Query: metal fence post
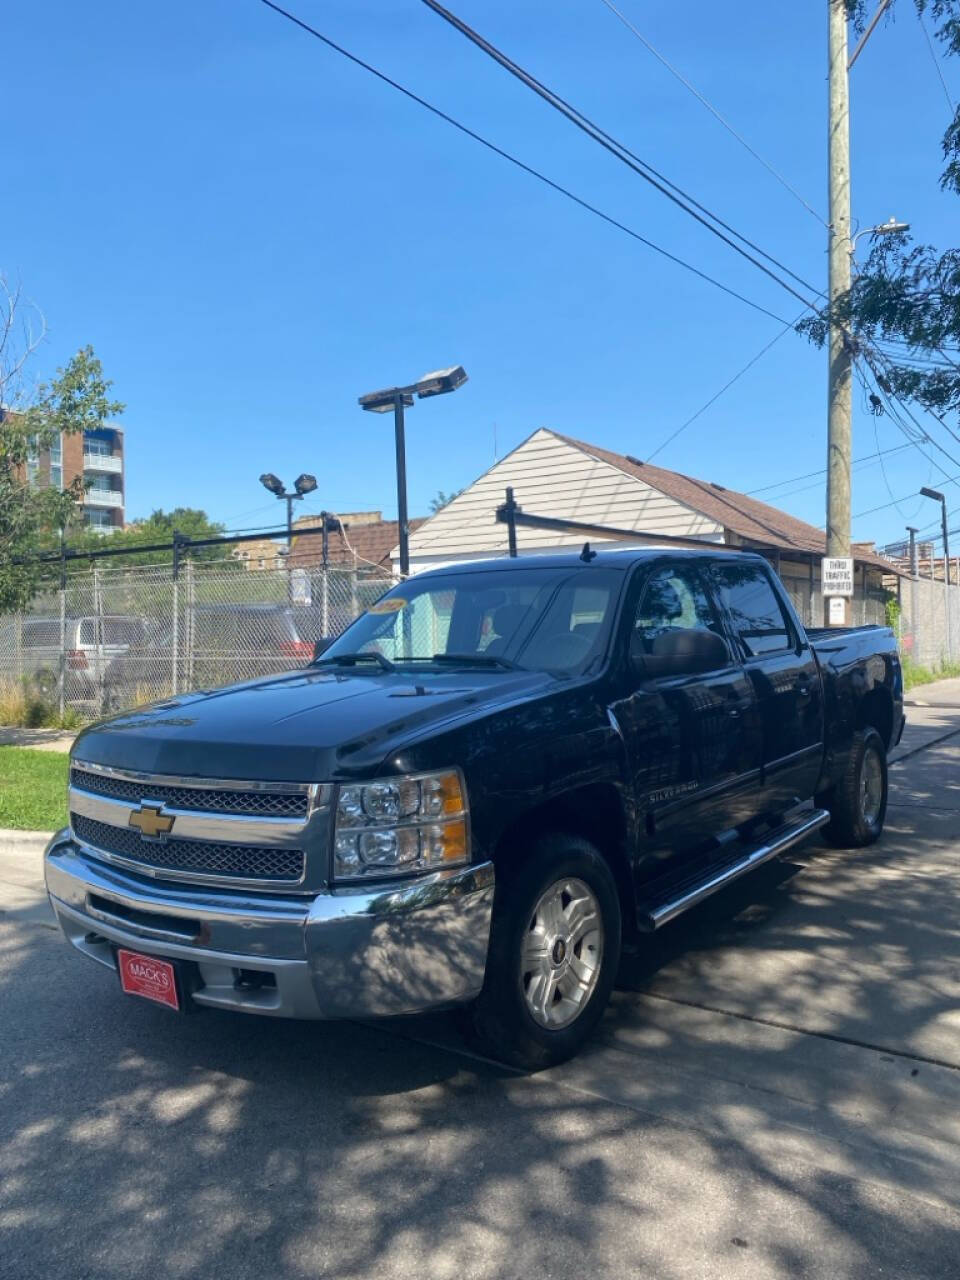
x: 325, y: 602
x: 190, y: 620
x: 63, y: 648
x: 98, y: 613
x: 175, y: 628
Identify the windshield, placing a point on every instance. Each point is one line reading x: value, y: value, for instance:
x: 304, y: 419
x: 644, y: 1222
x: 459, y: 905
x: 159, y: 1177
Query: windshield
x: 537, y: 619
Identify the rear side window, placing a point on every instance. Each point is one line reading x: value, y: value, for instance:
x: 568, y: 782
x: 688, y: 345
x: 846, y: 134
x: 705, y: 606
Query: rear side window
x: 41, y: 632
x: 753, y: 607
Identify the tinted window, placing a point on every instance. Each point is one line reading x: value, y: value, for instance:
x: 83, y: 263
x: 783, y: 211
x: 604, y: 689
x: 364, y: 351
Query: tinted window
x: 754, y: 609
x: 39, y: 632
x: 673, y: 605
x: 673, y: 598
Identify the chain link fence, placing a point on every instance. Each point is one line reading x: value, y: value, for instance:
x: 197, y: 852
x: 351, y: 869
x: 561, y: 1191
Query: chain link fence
x: 115, y: 638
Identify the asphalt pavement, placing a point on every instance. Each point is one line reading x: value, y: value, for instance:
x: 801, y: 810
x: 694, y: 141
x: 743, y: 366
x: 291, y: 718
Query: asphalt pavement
x: 775, y: 1092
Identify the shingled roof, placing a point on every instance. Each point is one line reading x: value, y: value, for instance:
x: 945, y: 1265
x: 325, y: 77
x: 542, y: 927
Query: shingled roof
x: 753, y: 521
x: 372, y: 542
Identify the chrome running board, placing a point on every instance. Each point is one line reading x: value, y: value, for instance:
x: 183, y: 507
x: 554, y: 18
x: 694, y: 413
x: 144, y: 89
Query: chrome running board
x: 674, y: 899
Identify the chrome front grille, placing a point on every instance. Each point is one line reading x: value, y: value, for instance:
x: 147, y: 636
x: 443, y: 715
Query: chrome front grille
x: 263, y: 835
x: 269, y: 804
x: 200, y: 858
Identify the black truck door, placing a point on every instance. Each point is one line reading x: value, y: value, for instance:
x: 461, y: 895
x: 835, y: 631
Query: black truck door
x: 691, y: 726
x: 781, y: 666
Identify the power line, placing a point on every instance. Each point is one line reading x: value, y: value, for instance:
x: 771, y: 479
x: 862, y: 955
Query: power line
x: 936, y: 62
x: 716, y: 396
x: 868, y: 458
x: 885, y: 361
x: 713, y: 111
x: 896, y: 501
x: 927, y: 439
x: 520, y: 164
x: 644, y: 170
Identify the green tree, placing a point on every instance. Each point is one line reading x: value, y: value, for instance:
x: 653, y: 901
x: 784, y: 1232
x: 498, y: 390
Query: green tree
x: 158, y: 527
x: 443, y: 500
x: 902, y: 313
x: 77, y: 399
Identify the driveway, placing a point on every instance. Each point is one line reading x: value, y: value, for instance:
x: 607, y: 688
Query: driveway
x: 775, y: 1092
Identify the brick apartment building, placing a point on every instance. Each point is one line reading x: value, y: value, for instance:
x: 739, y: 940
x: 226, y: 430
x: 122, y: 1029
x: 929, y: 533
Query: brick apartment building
x: 97, y: 457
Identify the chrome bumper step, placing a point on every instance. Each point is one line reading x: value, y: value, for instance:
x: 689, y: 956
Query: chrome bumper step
x: 670, y: 898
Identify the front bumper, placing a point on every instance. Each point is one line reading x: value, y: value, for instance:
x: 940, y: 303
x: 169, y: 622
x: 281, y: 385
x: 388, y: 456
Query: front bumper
x: 391, y: 949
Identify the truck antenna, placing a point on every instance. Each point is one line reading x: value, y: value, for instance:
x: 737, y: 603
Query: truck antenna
x: 586, y: 555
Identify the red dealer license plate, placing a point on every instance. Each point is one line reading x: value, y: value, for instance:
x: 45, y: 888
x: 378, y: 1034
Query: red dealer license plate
x: 148, y: 977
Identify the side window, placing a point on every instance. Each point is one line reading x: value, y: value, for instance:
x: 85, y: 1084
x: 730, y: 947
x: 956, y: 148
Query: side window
x: 754, y: 609
x: 676, y: 630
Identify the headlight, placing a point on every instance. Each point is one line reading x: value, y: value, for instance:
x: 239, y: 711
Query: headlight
x: 400, y: 826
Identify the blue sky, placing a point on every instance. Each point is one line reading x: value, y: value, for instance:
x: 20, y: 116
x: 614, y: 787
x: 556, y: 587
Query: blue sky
x: 252, y: 232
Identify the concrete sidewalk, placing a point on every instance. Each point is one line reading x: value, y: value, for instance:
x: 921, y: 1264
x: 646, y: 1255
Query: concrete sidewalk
x: 41, y: 739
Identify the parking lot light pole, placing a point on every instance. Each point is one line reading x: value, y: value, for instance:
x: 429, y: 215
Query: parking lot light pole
x: 303, y: 485
x: 936, y: 496
x: 398, y: 399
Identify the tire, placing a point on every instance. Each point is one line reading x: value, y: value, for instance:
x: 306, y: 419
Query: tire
x: 858, y: 801
x: 554, y: 945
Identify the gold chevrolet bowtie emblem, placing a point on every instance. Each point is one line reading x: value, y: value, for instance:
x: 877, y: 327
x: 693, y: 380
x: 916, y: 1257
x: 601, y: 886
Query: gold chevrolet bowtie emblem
x: 151, y: 821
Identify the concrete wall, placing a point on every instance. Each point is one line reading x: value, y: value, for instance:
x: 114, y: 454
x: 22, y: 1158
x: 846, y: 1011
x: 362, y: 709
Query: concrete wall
x: 923, y: 621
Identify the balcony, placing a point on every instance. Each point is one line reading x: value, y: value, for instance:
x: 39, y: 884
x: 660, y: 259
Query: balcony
x: 103, y: 498
x: 104, y: 462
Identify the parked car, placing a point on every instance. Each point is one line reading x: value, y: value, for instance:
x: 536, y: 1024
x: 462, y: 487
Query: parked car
x: 493, y: 779
x: 216, y: 645
x: 91, y: 645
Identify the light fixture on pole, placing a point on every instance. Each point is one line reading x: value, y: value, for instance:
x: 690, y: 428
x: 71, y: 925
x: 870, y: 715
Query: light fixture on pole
x: 303, y: 485
x: 889, y: 228
x: 437, y: 383
x: 936, y: 496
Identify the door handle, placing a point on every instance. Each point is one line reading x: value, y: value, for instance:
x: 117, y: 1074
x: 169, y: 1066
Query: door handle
x: 803, y: 688
x: 733, y: 712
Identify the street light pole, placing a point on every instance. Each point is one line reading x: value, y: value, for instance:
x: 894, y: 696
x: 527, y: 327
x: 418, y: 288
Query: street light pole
x: 839, y: 378
x: 936, y: 496
x: 437, y: 383
x: 303, y: 485
x: 402, y: 520
x: 841, y: 249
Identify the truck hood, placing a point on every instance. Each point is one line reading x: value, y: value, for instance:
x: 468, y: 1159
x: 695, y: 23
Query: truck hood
x: 304, y: 726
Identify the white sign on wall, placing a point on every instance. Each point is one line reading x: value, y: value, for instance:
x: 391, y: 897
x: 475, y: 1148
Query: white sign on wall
x: 836, y: 575
x: 838, y: 611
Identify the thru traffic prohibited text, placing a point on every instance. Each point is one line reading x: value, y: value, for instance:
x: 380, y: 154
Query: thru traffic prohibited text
x: 836, y: 575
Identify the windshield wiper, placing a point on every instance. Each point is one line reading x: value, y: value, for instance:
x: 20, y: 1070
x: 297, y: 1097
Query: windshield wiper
x: 474, y: 660
x: 354, y: 659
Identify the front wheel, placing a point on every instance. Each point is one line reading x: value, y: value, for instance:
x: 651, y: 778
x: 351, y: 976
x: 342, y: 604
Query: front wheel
x: 858, y: 801
x: 554, y: 952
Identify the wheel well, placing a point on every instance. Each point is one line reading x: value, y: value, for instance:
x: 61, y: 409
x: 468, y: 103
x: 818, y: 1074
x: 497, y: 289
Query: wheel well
x: 876, y: 711
x: 594, y: 812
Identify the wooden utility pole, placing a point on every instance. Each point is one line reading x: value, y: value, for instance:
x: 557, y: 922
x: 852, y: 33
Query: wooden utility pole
x: 840, y: 372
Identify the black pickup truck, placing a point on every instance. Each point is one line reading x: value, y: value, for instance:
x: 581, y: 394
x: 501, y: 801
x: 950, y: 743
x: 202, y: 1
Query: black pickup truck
x: 494, y: 779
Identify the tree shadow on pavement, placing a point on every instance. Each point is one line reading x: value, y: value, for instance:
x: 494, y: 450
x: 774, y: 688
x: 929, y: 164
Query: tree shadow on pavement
x: 683, y: 1143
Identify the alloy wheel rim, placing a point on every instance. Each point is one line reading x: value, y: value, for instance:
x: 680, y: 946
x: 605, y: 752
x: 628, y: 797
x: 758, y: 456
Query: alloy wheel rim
x: 561, y: 954
x: 871, y: 787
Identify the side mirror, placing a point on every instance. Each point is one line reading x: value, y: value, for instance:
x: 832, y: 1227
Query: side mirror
x: 321, y: 646
x: 684, y: 651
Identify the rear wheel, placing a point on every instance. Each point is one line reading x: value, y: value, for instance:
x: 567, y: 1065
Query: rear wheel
x: 554, y: 951
x: 858, y: 802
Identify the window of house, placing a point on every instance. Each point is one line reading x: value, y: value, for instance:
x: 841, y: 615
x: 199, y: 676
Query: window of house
x: 753, y: 606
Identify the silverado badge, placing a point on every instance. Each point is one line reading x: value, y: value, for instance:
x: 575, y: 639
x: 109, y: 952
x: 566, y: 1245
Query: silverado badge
x: 152, y: 822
